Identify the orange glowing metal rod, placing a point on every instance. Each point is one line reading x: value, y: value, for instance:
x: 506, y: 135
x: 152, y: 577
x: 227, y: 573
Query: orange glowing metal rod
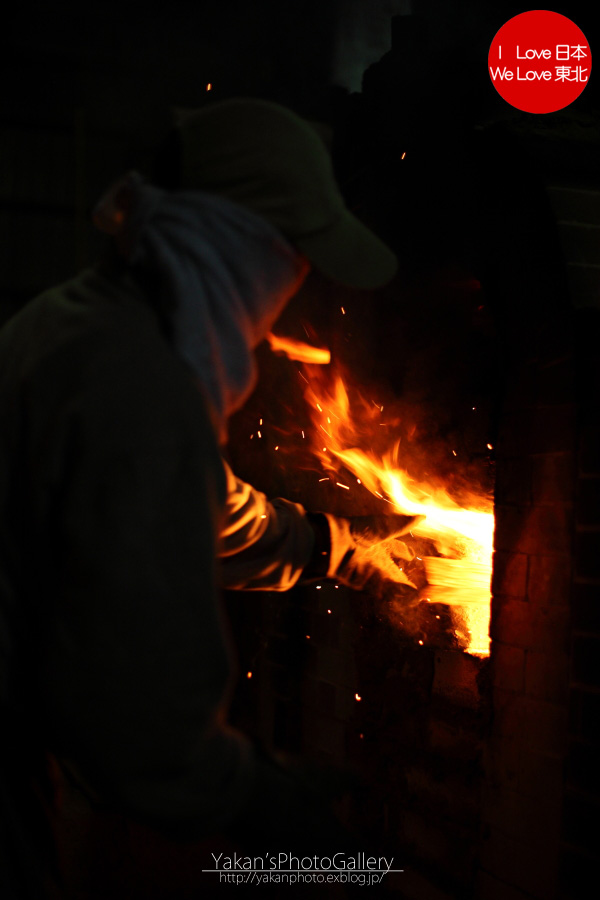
x: 298, y: 350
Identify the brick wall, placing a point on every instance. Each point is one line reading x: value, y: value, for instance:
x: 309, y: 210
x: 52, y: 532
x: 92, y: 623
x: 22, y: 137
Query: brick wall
x: 522, y: 797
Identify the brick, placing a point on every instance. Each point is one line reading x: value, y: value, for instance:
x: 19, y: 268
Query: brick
x: 583, y: 772
x: 514, y: 481
x: 553, y: 340
x: 452, y: 741
x: 325, y: 631
x: 556, y: 382
x: 514, y: 437
x: 335, y: 666
x: 541, y: 724
x: 580, y: 243
x: 530, y: 627
x: 584, y: 715
x: 587, y: 507
x: 520, y: 391
x: 508, y: 667
x: 577, y: 872
x: 575, y: 204
x: 450, y: 849
x: 324, y: 733
x: 587, y: 554
x: 528, y: 869
x: 326, y: 698
x: 534, y: 820
x: 444, y: 788
x: 287, y: 726
x: 589, y: 450
x: 541, y: 775
x: 580, y: 822
x: 541, y: 530
x: 553, y: 429
x: 586, y: 661
x: 412, y: 885
x: 585, y: 607
x: 553, y: 477
x: 549, y: 580
x: 547, y: 676
x: 509, y: 574
x: 488, y: 887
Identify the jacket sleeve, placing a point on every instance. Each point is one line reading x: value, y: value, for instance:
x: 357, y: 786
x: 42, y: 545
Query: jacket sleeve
x: 264, y: 545
x: 128, y: 488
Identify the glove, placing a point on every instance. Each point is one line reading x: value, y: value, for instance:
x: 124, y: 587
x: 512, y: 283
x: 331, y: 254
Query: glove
x: 363, y: 551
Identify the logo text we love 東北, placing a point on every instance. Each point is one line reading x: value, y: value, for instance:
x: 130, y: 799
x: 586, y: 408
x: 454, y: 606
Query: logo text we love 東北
x: 539, y: 61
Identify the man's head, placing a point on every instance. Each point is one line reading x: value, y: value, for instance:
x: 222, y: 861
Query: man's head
x: 264, y: 157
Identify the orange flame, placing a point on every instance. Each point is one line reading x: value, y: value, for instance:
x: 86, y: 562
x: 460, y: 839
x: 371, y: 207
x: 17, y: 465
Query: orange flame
x: 298, y: 350
x: 462, y: 534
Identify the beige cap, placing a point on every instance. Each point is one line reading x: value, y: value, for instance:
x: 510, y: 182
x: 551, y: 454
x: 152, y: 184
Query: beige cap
x: 271, y: 161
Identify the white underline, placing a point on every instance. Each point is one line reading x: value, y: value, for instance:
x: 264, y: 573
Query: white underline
x: 306, y: 871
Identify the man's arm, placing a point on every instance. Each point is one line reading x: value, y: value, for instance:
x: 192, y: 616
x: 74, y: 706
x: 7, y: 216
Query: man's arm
x: 264, y: 545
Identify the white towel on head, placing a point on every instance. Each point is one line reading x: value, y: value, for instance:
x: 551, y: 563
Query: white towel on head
x: 226, y: 273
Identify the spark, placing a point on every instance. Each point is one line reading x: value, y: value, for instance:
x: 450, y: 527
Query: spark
x: 248, y: 674
x: 263, y: 516
x: 323, y: 479
x: 319, y: 407
x: 260, y: 422
x: 343, y: 310
x: 357, y: 697
x: 403, y: 155
x: 318, y: 587
x: 277, y: 447
x: 303, y: 434
x: 358, y: 481
x: 454, y: 453
x: 421, y: 643
x: 209, y: 86
x: 489, y: 446
x: 329, y: 612
x: 259, y: 434
x: 345, y: 486
x: 302, y: 376
x: 308, y: 637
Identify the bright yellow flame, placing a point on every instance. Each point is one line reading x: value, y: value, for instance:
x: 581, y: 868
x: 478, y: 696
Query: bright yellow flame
x: 298, y: 350
x: 462, y: 534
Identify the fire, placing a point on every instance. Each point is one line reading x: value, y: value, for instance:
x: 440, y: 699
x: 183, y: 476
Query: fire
x: 461, y: 532
x: 298, y: 350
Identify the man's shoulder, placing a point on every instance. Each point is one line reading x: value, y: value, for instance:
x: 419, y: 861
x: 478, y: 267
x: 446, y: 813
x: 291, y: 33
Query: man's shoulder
x: 84, y: 323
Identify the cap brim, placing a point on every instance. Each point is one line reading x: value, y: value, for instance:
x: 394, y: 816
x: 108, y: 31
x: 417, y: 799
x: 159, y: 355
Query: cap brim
x: 349, y: 253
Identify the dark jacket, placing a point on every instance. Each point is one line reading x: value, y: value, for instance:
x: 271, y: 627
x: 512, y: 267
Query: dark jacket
x: 113, y: 654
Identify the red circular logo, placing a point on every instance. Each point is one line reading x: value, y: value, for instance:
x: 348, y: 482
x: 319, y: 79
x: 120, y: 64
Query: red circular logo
x: 539, y: 61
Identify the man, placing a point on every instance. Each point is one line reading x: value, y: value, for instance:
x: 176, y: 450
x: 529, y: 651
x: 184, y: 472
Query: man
x: 115, y: 389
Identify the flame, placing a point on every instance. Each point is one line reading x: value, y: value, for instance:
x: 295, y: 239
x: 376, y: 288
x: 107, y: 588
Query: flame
x: 298, y: 350
x: 462, y: 534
